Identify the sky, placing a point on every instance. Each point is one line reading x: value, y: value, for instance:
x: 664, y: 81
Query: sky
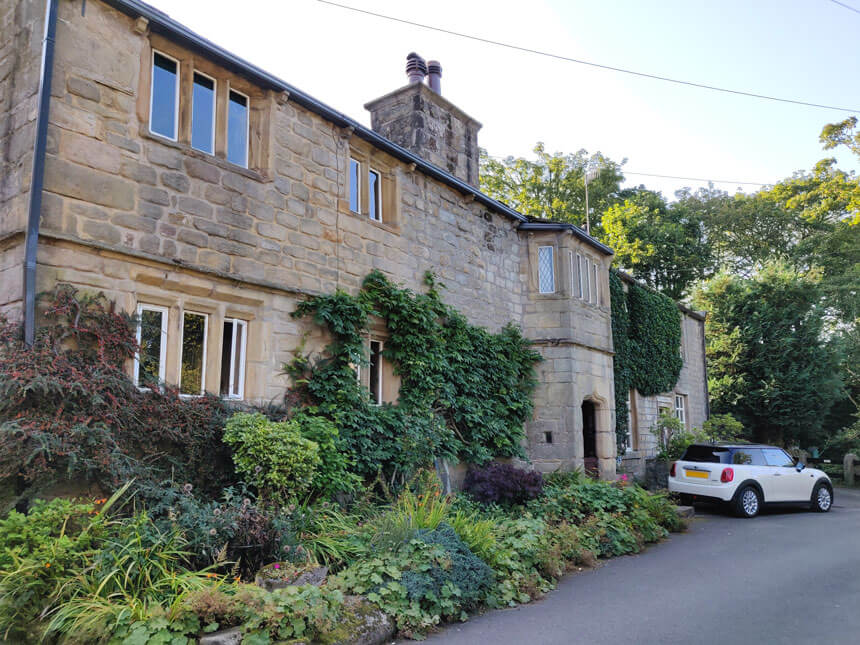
x: 798, y: 49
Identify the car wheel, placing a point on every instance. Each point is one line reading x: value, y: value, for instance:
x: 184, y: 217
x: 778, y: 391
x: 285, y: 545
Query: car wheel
x: 822, y: 497
x: 747, y: 502
x: 685, y: 500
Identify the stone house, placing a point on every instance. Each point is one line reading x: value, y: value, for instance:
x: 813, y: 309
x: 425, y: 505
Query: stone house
x: 209, y: 197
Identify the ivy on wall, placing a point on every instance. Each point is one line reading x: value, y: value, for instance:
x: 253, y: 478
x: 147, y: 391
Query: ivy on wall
x: 646, y: 332
x: 465, y: 393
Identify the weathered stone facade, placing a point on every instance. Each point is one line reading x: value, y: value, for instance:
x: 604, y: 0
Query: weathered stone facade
x: 149, y: 220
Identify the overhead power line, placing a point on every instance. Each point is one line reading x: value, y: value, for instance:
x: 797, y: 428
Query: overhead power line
x: 590, y: 63
x: 845, y: 6
x: 715, y: 181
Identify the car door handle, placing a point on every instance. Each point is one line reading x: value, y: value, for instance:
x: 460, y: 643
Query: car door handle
x: 777, y: 474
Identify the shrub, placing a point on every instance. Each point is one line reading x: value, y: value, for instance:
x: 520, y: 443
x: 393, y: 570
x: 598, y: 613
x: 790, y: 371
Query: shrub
x: 476, y: 533
x: 410, y: 513
x: 419, y: 583
x: 723, y: 427
x: 68, y: 409
x: 516, y: 561
x: 333, y: 473
x: 498, y: 483
x: 273, y: 456
x: 233, y: 530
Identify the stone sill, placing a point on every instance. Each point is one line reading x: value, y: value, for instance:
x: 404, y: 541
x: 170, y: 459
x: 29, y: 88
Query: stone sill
x: 188, y: 151
x: 385, y: 226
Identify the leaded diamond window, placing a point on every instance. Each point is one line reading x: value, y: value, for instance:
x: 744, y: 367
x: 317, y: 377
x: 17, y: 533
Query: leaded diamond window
x: 546, y: 271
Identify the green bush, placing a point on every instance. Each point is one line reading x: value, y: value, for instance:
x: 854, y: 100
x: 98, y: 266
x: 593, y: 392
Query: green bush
x: 430, y: 578
x: 272, y: 456
x: 333, y: 473
x: 723, y: 427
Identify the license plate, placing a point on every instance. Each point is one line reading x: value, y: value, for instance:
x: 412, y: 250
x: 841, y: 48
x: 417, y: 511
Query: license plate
x: 698, y: 474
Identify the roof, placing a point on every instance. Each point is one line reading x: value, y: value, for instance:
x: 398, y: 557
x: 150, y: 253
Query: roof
x: 734, y: 444
x: 161, y: 23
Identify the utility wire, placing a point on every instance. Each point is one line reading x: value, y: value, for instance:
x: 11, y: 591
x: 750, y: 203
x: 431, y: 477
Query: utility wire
x: 589, y: 63
x: 845, y: 6
x: 716, y: 181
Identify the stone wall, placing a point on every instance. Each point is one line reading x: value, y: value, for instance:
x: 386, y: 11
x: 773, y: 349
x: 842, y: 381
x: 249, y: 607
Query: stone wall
x: 21, y: 30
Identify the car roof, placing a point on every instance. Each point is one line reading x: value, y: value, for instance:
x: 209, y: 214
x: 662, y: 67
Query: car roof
x: 729, y: 445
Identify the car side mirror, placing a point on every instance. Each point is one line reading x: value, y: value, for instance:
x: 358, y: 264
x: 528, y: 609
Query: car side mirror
x: 799, y: 465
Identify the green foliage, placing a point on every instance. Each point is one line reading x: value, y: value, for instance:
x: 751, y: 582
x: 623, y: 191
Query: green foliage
x: 655, y: 340
x: 430, y: 578
x: 464, y: 393
x: 410, y: 513
x: 333, y: 473
x: 723, y: 427
x: 767, y: 361
x: 672, y: 438
x: 553, y: 185
x: 646, y: 335
x: 273, y: 456
x: 661, y: 244
x: 621, y: 361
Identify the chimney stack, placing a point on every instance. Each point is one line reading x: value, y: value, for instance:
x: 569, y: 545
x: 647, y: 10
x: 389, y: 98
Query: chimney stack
x: 434, y: 80
x: 423, y: 121
x: 416, y: 68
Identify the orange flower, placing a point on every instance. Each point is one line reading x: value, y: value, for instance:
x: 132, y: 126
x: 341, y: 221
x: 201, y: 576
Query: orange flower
x: 47, y: 564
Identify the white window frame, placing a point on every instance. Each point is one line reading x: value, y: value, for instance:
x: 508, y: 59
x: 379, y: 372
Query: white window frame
x: 214, y: 110
x: 378, y: 198
x: 237, y: 322
x: 247, y: 127
x: 681, y: 409
x: 176, y: 98
x: 379, y: 370
x: 205, y: 348
x: 357, y: 185
x: 552, y: 266
x: 162, y: 355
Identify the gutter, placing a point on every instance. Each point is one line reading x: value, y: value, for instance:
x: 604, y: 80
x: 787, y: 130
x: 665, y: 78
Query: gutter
x: 161, y: 23
x: 37, y: 177
x: 565, y: 226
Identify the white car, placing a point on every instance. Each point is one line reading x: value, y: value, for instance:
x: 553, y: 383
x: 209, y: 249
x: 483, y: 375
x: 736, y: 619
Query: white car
x: 747, y: 476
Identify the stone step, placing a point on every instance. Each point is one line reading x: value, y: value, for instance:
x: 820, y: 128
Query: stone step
x: 685, y: 512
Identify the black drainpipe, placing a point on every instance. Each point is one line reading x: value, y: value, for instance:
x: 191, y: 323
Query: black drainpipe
x: 37, y: 180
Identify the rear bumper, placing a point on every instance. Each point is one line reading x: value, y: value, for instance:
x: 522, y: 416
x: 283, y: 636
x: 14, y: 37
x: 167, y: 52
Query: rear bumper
x: 706, y: 492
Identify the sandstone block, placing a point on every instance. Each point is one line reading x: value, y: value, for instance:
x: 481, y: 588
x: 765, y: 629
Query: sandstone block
x: 155, y: 195
x: 101, y: 231
x: 175, y: 181
x: 204, y: 170
x: 84, y: 89
x: 138, y: 172
x: 230, y: 218
x: 87, y: 184
x: 134, y: 222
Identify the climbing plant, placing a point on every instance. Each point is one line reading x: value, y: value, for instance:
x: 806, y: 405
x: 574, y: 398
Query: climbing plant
x: 464, y: 394
x: 646, y: 332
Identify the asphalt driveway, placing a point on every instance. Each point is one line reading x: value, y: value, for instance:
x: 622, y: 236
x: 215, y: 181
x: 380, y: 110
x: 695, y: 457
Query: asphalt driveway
x: 787, y: 576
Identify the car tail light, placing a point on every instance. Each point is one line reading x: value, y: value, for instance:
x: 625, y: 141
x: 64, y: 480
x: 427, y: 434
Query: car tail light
x: 727, y: 476
x: 672, y: 469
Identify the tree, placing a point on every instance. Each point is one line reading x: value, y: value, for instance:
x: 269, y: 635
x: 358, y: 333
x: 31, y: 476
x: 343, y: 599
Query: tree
x: 553, y: 185
x: 768, y: 363
x: 661, y: 244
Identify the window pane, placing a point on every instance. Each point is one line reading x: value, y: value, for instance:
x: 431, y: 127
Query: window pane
x: 239, y: 362
x: 578, y: 275
x: 226, y: 357
x: 237, y: 130
x: 375, y: 371
x: 748, y: 457
x: 374, y: 202
x: 193, y: 353
x: 354, y: 176
x: 162, y: 110
x: 203, y: 114
x: 585, y: 271
x: 776, y: 457
x: 546, y: 274
x: 594, y: 283
x: 149, y: 359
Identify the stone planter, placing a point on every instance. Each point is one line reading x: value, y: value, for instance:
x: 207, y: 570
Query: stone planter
x: 283, y: 574
x: 656, y: 474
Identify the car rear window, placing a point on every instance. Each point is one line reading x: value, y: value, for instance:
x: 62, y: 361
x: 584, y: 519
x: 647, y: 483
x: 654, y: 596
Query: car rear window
x: 748, y: 457
x: 707, y: 454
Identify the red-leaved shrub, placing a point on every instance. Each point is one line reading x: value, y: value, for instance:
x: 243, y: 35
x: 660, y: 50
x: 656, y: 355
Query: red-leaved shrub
x: 498, y: 483
x: 68, y: 407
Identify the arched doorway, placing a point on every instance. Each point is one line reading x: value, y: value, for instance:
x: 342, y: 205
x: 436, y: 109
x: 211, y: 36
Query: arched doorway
x: 589, y: 438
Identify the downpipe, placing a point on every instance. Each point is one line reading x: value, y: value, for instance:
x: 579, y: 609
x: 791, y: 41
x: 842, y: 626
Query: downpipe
x: 37, y: 177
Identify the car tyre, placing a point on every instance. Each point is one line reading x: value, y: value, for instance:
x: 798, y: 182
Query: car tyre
x: 822, y: 498
x: 685, y: 499
x: 747, y: 502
